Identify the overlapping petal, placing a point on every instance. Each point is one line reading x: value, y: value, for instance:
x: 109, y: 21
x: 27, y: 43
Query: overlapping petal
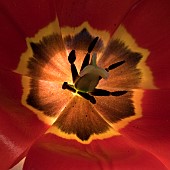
x: 151, y: 132
x: 19, y: 126
x: 19, y: 20
x: 115, y: 153
x: 149, y: 23
x: 101, y: 15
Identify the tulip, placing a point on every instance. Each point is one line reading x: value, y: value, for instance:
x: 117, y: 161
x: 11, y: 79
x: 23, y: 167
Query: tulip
x: 81, y: 84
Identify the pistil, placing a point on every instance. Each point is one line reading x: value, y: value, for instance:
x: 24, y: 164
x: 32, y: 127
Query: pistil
x: 90, y: 76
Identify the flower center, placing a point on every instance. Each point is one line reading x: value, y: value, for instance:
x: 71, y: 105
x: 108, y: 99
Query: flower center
x: 85, y: 83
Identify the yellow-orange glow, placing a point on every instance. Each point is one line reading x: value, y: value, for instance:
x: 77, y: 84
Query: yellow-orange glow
x: 57, y: 71
x: 147, y: 78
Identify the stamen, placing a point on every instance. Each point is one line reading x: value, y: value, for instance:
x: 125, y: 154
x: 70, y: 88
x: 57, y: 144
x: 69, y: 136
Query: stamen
x: 100, y: 92
x: 118, y: 93
x: 92, y: 44
x: 90, y: 75
x: 115, y: 65
x: 68, y: 87
x: 85, y: 61
x: 87, y: 97
x: 71, y: 59
x: 87, y: 57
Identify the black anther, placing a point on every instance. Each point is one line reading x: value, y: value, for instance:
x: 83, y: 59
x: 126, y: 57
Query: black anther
x: 115, y: 65
x: 68, y: 87
x: 87, y: 57
x: 118, y: 93
x: 85, y: 61
x: 92, y: 44
x: 87, y: 97
x: 100, y: 92
x: 74, y: 72
x: 72, y: 57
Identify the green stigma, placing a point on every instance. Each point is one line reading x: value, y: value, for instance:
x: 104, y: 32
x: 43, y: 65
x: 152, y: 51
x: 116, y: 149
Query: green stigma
x: 90, y: 76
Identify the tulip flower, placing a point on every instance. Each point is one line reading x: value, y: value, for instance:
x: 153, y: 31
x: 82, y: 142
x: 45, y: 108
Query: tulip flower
x: 85, y: 84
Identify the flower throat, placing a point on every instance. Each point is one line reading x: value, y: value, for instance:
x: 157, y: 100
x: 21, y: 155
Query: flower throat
x: 89, y: 76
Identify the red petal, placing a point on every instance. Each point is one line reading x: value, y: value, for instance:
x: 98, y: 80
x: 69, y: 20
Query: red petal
x: 116, y: 153
x: 19, y: 127
x: 105, y: 15
x: 23, y: 19
x: 18, y: 21
x: 151, y: 132
x: 149, y: 24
